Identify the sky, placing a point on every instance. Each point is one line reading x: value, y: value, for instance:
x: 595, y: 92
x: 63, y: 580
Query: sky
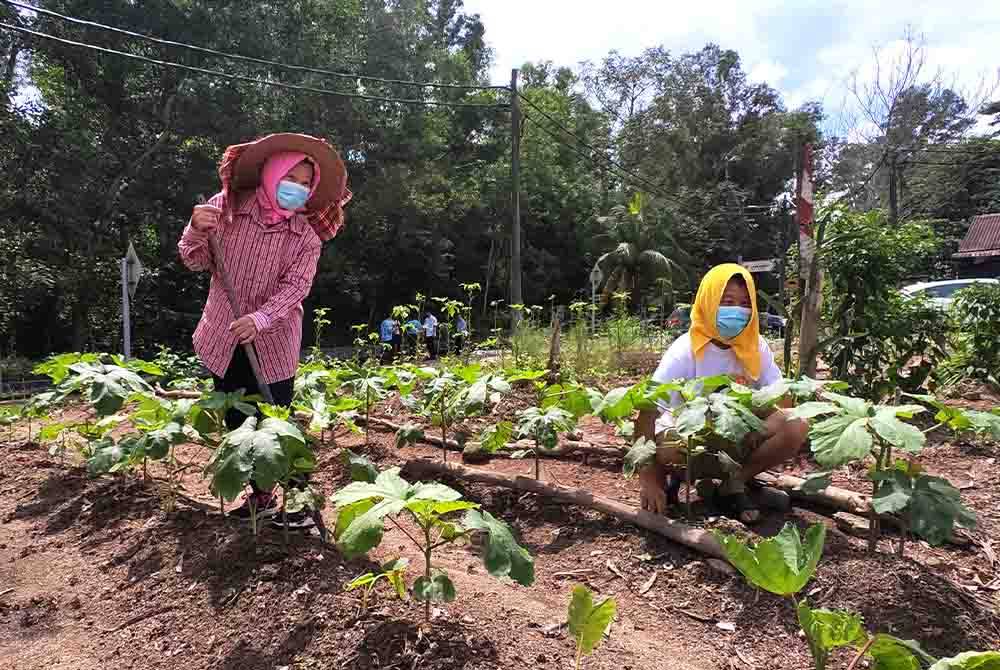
x: 806, y: 50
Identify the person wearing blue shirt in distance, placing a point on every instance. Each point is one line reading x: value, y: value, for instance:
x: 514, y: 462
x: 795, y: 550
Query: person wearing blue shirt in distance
x: 387, y: 331
x: 430, y: 333
x: 411, y: 333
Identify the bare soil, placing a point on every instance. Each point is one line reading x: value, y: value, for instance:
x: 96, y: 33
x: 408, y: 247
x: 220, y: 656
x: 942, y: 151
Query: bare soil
x: 95, y: 574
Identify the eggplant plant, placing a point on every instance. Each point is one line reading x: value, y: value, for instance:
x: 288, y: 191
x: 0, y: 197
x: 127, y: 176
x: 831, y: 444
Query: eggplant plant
x: 857, y: 430
x: 589, y: 623
x: 431, y: 507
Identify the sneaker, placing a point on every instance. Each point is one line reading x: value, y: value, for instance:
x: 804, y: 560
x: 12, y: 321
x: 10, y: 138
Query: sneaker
x: 301, y: 520
x: 267, y: 507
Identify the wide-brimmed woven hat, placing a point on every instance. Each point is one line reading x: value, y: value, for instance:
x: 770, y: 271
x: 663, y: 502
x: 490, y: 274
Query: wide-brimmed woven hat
x: 241, y: 165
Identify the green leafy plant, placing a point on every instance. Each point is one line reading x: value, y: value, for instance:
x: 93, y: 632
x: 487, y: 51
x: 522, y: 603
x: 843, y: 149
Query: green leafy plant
x: 857, y: 430
x: 320, y: 322
x: 976, y: 317
x: 363, y: 508
x: 369, y: 387
x: 543, y: 427
x: 588, y: 623
x: 392, y: 573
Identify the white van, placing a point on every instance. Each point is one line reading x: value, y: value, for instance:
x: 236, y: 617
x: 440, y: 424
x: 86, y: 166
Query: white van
x: 942, y: 293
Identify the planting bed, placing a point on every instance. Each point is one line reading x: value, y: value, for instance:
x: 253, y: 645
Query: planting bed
x: 94, y: 574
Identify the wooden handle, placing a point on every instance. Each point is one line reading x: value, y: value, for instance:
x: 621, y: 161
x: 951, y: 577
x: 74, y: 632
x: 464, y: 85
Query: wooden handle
x: 220, y: 268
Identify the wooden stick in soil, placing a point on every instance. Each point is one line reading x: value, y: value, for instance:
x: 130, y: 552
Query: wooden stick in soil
x: 694, y: 538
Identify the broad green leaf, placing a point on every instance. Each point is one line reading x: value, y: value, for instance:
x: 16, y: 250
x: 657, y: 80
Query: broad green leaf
x: 642, y: 453
x: 231, y: 466
x: 839, y: 440
x: 732, y: 420
x: 894, y: 493
x: 348, y: 513
x: 358, y: 582
x: 362, y: 469
x: 503, y: 556
x: 496, y: 437
x: 409, y: 433
x: 297, y: 499
x: 516, y: 376
x: 691, y: 417
x: 438, y: 589
x: 769, y: 395
x: 782, y: 564
x: 902, y: 411
x: 428, y: 511
x: 970, y: 660
x: 892, y: 653
x: 108, y: 456
x: 936, y: 508
x: 815, y: 482
x: 650, y: 395
x: 616, y: 405
x: 827, y: 630
x: 51, y: 431
x: 857, y: 407
x: 588, y: 623
x: 895, y: 432
x: 810, y: 410
x: 984, y: 423
x: 393, y: 571
x: 364, y: 532
x: 388, y: 484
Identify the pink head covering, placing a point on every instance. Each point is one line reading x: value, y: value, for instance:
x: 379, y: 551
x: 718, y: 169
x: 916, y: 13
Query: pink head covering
x: 274, y: 170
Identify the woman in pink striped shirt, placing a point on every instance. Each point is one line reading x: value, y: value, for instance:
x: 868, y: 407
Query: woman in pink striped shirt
x: 282, y: 197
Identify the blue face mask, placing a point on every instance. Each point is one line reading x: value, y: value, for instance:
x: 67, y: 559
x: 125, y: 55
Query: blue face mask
x: 731, y: 320
x: 292, y: 196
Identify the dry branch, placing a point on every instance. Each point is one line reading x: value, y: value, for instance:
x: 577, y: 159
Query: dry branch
x: 694, y: 538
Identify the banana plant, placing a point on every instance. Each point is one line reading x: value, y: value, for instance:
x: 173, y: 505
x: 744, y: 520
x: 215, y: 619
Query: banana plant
x: 856, y: 430
x: 365, y: 506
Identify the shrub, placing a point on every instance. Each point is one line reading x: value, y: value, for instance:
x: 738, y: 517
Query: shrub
x: 976, y: 317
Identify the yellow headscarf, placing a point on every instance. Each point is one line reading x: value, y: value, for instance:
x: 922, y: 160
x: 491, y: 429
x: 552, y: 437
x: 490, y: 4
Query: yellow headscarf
x: 703, y: 330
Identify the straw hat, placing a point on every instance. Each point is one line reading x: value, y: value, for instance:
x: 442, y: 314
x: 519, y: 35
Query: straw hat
x: 241, y: 165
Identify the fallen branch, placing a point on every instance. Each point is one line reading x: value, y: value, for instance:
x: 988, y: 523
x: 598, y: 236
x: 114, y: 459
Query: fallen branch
x: 695, y: 538
x: 831, y: 496
x: 565, y: 447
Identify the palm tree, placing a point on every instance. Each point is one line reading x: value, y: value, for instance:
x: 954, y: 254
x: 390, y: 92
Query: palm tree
x: 643, y: 253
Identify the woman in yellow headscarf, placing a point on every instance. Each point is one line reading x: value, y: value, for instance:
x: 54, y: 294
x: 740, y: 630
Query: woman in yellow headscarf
x: 724, y: 339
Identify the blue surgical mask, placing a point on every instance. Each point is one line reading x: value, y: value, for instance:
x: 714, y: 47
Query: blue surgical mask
x: 292, y: 196
x: 731, y: 320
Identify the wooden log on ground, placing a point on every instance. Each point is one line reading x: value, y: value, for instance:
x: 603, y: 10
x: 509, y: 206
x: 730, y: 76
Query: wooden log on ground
x: 565, y: 447
x: 832, y: 496
x: 694, y: 538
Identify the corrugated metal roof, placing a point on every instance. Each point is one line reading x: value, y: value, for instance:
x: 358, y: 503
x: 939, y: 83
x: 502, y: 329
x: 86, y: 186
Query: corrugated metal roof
x: 983, y: 238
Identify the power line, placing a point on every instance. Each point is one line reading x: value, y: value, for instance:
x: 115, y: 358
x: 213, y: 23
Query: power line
x: 253, y: 80
x: 248, y: 59
x: 641, y: 180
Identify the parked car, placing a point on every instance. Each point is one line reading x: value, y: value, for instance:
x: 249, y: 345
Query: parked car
x: 773, y: 322
x: 942, y: 293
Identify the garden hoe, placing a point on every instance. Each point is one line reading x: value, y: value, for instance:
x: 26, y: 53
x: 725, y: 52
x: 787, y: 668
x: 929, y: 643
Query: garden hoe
x: 218, y: 260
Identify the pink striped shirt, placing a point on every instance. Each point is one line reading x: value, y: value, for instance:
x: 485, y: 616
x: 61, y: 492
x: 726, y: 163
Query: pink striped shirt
x: 272, y: 269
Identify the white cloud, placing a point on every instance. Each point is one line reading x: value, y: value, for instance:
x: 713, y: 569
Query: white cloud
x: 806, y: 50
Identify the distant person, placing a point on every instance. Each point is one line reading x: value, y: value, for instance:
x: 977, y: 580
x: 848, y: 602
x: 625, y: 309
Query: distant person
x: 430, y: 334
x: 282, y: 197
x: 411, y: 335
x: 461, y: 333
x: 723, y: 339
x: 387, y: 335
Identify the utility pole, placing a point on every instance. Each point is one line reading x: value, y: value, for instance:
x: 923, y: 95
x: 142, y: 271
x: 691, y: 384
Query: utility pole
x: 893, y: 195
x: 515, y: 194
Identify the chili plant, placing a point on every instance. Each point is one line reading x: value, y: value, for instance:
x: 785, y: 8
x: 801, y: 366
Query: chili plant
x: 364, y: 507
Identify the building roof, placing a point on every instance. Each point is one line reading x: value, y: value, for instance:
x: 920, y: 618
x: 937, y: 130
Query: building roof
x: 983, y: 238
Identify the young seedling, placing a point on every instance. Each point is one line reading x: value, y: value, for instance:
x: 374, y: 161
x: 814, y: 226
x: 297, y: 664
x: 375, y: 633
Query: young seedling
x: 368, y: 387
x: 392, y: 573
x: 588, y: 623
x: 364, y: 507
x: 320, y: 322
x: 543, y: 427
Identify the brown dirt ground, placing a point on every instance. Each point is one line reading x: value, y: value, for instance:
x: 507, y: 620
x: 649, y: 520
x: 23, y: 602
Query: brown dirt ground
x: 94, y: 574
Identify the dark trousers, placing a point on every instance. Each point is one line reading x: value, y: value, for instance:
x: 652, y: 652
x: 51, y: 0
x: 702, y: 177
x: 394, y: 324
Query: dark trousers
x: 239, y: 375
x: 459, y: 341
x: 432, y: 347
